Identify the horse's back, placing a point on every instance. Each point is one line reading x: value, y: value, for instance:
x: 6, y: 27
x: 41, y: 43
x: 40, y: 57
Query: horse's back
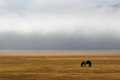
x: 88, y: 61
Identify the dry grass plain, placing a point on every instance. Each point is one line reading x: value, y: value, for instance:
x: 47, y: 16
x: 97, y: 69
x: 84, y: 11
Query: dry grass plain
x: 59, y: 65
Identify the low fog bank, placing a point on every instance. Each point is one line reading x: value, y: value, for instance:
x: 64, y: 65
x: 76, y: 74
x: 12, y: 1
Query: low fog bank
x: 14, y: 41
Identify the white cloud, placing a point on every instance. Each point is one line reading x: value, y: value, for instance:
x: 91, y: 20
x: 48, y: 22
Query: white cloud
x: 62, y: 16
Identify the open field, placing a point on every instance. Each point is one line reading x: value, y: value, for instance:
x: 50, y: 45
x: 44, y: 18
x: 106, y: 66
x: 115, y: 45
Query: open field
x: 59, y: 65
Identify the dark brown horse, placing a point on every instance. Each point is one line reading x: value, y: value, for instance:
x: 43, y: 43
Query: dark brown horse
x: 86, y: 62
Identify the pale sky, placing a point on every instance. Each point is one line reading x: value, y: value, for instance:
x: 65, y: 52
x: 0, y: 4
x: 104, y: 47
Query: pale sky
x: 92, y: 20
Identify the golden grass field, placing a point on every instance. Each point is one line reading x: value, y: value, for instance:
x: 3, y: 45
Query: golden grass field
x: 59, y: 65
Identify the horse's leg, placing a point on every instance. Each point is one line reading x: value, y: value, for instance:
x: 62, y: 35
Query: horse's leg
x: 85, y: 65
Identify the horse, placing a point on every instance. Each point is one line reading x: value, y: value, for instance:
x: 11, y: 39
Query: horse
x: 86, y: 62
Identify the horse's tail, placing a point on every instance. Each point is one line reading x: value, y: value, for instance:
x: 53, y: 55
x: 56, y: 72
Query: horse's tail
x: 90, y: 64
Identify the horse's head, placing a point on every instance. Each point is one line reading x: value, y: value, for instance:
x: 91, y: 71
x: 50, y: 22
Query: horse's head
x: 81, y: 64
